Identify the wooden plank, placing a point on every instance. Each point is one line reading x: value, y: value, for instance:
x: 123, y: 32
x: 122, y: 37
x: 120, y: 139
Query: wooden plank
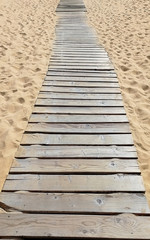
x: 80, y: 51
x: 35, y: 165
x: 79, y: 67
x: 74, y: 183
x: 78, y: 102
x: 78, y: 128
x: 76, y: 203
x: 77, y: 139
x: 82, y: 68
x: 76, y: 62
x: 79, y: 89
x: 79, y: 55
x: 80, y: 96
x: 83, y: 79
x: 78, y: 48
x: 80, y: 110
x: 39, y: 151
x: 122, y: 226
x: 63, y: 65
x: 70, y: 44
x: 81, y: 74
x: 81, y: 84
x: 56, y: 118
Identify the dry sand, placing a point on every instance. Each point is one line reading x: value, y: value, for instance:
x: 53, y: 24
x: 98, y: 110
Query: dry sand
x: 123, y: 28
x: 26, y: 36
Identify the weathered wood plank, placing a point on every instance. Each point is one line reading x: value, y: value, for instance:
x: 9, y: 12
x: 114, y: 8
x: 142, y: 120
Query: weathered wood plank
x: 74, y: 66
x: 81, y: 62
x: 77, y: 139
x: 76, y: 151
x: 79, y: 89
x: 67, y: 118
x: 35, y: 165
x: 74, y: 183
x: 76, y: 50
x: 81, y: 74
x: 83, y: 79
x: 80, y: 58
x: 76, y: 203
x: 80, y: 110
x: 80, y: 96
x: 78, y: 102
x: 81, y: 84
x: 78, y: 128
x: 80, y: 68
x: 122, y: 226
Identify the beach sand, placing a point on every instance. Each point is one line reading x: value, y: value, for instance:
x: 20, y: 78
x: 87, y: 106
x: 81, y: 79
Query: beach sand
x: 123, y: 28
x: 26, y: 37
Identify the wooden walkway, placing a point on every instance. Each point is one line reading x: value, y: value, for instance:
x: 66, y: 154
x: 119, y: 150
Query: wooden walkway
x: 76, y: 174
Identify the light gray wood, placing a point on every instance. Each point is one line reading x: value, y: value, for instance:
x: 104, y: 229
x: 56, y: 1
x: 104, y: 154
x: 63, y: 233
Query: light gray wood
x: 122, y: 226
x: 80, y: 58
x: 76, y: 203
x: 56, y: 118
x: 80, y: 110
x: 74, y: 183
x: 78, y: 128
x: 78, y: 102
x: 81, y: 74
x: 79, y: 66
x: 79, y: 89
x: 76, y: 50
x: 77, y: 139
x: 81, y: 84
x: 87, y: 80
x: 77, y: 62
x: 80, y: 96
x: 76, y: 151
x: 35, y: 165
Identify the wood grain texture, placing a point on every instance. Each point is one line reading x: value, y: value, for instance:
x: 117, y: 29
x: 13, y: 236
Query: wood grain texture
x: 80, y: 84
x: 78, y: 103
x: 78, y: 128
x: 74, y: 183
x: 77, y: 139
x: 75, y: 203
x: 35, y: 165
x: 81, y: 67
x: 80, y: 96
x: 122, y: 226
x: 76, y: 151
x: 80, y: 110
x: 80, y: 90
x: 81, y: 74
x: 84, y: 80
x: 80, y: 118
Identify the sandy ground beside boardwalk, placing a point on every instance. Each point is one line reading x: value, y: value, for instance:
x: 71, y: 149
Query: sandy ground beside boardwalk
x: 123, y: 28
x: 26, y: 36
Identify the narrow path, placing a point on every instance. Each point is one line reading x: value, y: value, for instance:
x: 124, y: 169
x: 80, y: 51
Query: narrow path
x: 75, y: 173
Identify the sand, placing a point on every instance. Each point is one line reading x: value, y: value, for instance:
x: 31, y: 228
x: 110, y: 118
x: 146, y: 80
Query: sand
x: 123, y: 28
x: 26, y: 37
